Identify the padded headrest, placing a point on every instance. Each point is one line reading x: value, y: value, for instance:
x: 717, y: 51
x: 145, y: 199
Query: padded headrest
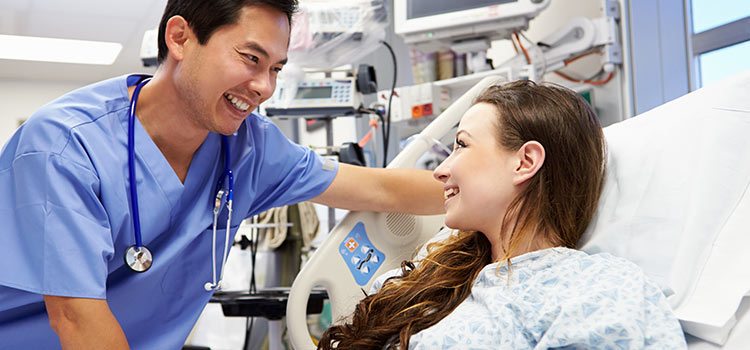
x: 676, y: 202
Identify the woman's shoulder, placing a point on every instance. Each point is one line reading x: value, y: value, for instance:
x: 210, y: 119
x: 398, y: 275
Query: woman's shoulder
x: 584, y: 274
x: 600, y: 263
x: 581, y: 278
x: 602, y: 298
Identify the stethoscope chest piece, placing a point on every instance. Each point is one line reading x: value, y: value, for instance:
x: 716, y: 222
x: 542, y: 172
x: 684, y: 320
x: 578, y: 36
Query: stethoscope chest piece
x: 139, y: 259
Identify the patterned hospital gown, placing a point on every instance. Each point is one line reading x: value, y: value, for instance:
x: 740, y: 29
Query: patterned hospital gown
x: 557, y: 298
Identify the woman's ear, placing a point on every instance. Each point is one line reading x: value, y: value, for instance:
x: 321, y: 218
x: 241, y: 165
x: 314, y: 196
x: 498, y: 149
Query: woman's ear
x: 530, y: 158
x: 176, y: 35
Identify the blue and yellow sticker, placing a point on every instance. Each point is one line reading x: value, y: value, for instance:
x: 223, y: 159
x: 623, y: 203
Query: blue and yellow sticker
x: 360, y: 255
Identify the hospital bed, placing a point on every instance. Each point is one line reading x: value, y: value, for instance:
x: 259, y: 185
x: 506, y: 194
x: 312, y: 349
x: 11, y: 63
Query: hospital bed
x: 675, y: 202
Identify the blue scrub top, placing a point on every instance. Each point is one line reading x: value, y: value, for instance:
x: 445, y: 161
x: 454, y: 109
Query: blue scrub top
x: 66, y: 218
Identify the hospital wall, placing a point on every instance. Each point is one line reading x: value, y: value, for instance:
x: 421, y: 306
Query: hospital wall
x: 19, y: 99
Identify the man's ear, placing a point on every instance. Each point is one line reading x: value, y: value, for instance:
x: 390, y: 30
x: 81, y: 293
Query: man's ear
x: 530, y: 158
x: 176, y: 35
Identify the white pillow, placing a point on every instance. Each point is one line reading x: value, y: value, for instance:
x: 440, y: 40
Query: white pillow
x: 676, y: 202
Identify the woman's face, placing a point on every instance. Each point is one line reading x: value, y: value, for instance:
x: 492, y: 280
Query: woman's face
x: 477, y: 176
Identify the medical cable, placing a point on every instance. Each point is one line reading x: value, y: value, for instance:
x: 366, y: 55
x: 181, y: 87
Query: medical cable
x: 589, y: 80
x: 272, y: 225
x: 539, y: 52
x: 523, y: 49
x: 373, y: 129
x: 387, y: 128
x: 252, y: 289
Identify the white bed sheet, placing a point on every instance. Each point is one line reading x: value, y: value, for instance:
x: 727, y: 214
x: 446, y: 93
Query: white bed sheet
x: 676, y: 202
x: 739, y: 337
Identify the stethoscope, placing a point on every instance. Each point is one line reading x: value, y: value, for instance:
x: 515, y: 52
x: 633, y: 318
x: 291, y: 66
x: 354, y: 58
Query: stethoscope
x: 138, y: 257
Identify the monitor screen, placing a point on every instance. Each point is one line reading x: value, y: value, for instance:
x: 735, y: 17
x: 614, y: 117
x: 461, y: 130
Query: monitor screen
x: 314, y: 92
x: 424, y: 8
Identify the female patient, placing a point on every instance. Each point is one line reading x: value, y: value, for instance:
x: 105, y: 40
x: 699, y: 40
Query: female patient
x: 521, y: 186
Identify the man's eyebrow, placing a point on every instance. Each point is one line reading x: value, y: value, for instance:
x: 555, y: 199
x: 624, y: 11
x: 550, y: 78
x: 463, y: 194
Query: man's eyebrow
x: 256, y: 47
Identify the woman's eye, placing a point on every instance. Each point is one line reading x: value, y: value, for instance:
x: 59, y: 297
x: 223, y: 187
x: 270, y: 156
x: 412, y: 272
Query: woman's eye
x: 459, y: 144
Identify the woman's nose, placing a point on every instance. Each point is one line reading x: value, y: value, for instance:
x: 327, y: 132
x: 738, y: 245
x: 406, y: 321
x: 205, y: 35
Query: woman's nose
x: 441, y: 172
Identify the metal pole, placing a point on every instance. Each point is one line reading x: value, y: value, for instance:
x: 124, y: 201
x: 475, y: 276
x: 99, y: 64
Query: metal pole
x: 329, y: 143
x: 274, y: 335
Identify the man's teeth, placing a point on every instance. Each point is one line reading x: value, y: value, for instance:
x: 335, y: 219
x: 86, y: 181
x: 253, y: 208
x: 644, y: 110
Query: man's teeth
x: 450, y: 193
x: 237, y: 103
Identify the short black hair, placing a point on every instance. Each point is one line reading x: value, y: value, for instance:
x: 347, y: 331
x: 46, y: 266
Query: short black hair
x: 206, y: 16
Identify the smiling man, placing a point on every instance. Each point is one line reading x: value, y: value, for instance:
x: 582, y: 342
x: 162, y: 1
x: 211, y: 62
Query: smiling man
x: 69, y: 204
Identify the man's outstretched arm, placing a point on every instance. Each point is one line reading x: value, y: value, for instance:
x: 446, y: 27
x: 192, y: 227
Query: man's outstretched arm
x: 384, y: 190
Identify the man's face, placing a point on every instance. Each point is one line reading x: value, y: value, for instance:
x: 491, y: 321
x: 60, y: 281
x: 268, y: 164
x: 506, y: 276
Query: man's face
x: 224, y: 80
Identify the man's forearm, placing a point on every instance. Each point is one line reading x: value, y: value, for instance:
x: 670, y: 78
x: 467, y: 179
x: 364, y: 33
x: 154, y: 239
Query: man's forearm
x: 416, y: 192
x: 84, y: 323
x: 384, y: 190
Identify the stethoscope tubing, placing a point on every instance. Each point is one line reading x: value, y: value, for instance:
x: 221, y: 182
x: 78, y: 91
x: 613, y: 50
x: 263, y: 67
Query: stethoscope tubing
x: 228, y: 174
x: 131, y: 166
x: 214, y: 284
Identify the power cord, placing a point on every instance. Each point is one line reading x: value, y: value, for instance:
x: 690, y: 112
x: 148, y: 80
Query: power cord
x: 249, y: 321
x: 387, y: 128
x: 379, y: 114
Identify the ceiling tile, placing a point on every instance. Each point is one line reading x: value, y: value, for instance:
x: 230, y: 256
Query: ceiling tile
x: 16, y: 5
x: 81, y: 27
x: 129, y: 9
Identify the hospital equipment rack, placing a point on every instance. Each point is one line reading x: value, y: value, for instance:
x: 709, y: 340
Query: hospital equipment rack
x: 269, y: 303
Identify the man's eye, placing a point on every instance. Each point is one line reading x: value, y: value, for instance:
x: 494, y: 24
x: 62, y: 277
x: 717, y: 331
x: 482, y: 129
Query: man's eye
x: 253, y: 58
x: 277, y: 69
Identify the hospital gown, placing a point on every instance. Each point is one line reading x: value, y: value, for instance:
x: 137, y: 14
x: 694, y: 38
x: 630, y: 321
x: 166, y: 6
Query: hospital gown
x: 557, y: 298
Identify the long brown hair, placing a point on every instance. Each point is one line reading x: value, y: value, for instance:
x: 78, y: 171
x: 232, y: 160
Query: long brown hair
x: 558, y: 203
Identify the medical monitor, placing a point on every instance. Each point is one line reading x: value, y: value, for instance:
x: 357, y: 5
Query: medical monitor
x: 442, y: 22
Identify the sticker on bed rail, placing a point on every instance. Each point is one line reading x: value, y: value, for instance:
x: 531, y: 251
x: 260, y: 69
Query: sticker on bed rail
x: 362, y: 258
